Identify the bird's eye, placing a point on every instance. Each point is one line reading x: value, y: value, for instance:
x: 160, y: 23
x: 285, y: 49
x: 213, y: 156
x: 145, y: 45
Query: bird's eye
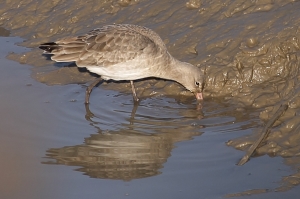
x: 197, y: 84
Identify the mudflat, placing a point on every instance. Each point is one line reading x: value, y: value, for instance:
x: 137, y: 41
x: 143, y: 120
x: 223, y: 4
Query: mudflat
x: 166, y: 146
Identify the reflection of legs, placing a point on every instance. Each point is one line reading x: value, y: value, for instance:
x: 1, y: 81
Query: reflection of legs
x: 89, y: 116
x: 90, y: 88
x: 136, y: 99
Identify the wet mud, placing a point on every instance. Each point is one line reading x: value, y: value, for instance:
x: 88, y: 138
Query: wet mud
x: 248, y: 50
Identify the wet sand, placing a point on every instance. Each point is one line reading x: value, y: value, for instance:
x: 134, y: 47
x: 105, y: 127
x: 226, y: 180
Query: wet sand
x: 169, y: 148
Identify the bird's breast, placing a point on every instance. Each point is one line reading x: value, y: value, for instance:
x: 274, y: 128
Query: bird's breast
x: 131, y: 70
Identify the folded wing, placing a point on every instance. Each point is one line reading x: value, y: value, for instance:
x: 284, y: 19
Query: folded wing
x: 105, y: 46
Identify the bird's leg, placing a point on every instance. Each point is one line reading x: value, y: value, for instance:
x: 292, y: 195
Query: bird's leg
x: 90, y: 88
x: 136, y: 99
x: 134, y: 109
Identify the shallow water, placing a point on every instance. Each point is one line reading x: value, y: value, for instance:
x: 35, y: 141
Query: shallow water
x: 167, y: 149
x: 53, y: 146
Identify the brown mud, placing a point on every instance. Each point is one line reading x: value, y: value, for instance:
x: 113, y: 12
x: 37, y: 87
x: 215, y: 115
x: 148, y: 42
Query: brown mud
x: 248, y: 50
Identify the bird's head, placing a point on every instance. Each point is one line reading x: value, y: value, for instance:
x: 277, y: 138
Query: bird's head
x: 193, y: 80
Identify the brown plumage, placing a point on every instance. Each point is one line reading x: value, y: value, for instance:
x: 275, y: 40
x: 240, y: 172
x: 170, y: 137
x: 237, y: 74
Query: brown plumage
x: 125, y: 52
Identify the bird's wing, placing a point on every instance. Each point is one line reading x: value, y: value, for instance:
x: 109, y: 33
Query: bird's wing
x: 105, y: 46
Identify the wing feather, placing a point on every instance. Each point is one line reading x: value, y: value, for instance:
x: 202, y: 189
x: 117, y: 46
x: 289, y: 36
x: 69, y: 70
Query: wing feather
x: 106, y: 46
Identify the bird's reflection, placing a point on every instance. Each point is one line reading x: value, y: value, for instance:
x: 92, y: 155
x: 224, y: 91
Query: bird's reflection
x: 126, y: 153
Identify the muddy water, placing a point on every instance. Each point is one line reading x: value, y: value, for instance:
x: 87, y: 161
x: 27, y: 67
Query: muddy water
x: 249, y: 51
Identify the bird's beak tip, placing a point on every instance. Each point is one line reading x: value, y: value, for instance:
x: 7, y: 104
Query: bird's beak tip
x: 199, y: 96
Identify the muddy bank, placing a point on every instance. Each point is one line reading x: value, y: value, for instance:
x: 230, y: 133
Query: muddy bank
x: 248, y: 49
x: 242, y: 46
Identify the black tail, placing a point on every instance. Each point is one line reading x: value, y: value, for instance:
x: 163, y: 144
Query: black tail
x: 49, y: 47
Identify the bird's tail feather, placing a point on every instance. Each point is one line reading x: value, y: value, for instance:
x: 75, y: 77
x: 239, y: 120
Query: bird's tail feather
x: 67, y: 50
x: 49, y: 47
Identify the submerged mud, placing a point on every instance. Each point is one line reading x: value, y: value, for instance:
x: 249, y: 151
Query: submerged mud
x: 248, y: 50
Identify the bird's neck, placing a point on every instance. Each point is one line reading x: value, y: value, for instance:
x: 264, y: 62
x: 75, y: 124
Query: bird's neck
x: 175, y: 70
